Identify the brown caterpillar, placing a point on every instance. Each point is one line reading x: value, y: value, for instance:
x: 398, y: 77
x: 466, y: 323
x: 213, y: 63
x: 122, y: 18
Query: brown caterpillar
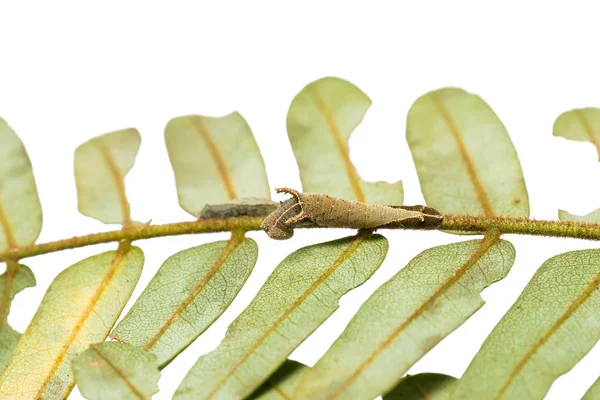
x: 322, y: 210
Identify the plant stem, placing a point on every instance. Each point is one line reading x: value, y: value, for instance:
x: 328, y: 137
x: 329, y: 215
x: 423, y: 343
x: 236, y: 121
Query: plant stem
x: 462, y: 223
x: 136, y: 233
x: 521, y: 226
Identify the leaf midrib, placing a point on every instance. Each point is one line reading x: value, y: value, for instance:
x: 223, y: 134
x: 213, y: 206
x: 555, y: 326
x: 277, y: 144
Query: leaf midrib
x: 136, y: 392
x: 279, y: 390
x: 9, y: 234
x: 422, y: 392
x: 216, y: 155
x: 119, y: 182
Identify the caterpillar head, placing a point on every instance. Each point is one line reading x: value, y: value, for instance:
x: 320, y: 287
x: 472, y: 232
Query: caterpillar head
x: 277, y: 224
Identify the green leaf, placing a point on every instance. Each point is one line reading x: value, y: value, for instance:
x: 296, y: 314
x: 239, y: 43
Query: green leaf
x: 320, y: 121
x: 79, y: 308
x: 113, y: 370
x: 406, y: 317
x: 8, y: 341
x: 189, y: 292
x: 282, y: 383
x: 101, y: 164
x: 425, y: 386
x: 20, y: 224
x: 582, y: 124
x: 465, y: 159
x: 593, y: 393
x: 20, y: 209
x: 215, y: 159
x: 16, y: 278
x: 301, y: 293
x: 593, y: 217
x: 551, y: 326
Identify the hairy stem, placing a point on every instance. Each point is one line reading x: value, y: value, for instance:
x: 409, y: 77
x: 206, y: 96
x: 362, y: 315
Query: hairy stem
x: 462, y: 223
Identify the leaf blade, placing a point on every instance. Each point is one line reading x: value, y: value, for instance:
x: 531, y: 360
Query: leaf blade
x: 580, y: 124
x: 311, y: 293
x: 113, y: 370
x: 20, y: 208
x: 464, y: 157
x: 100, y: 165
x: 423, y: 386
x: 282, y: 383
x: 558, y: 305
x: 79, y: 308
x: 441, y: 284
x: 17, y: 278
x: 165, y: 318
x: 592, y: 217
x: 8, y: 341
x: 215, y: 160
x: 593, y: 392
x: 320, y: 121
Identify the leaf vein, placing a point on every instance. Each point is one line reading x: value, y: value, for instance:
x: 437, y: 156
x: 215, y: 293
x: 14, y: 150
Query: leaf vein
x: 216, y: 156
x: 11, y: 241
x: 136, y: 392
x: 119, y: 182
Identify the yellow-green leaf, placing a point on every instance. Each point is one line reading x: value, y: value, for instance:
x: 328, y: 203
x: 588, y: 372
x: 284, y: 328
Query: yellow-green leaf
x: 16, y: 278
x: 8, y: 341
x: 215, y: 159
x: 593, y: 217
x: 20, y: 224
x: 188, y: 293
x: 407, y: 316
x: 79, y: 308
x: 593, y: 393
x: 551, y: 326
x: 20, y: 209
x: 101, y: 164
x: 465, y: 159
x: 301, y: 293
x: 281, y: 384
x: 582, y: 124
x: 425, y: 386
x: 116, y: 371
x: 320, y: 121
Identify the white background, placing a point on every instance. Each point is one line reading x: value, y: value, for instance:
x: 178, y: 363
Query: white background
x: 70, y: 71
